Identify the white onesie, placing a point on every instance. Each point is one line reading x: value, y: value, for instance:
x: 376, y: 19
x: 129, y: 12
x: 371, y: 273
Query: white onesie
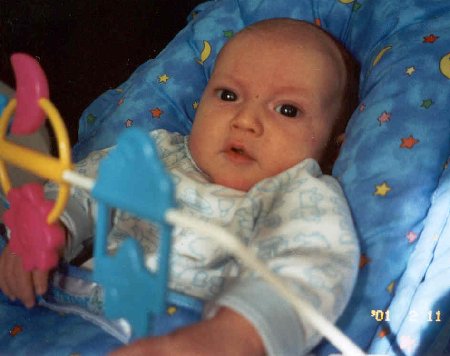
x: 297, y: 222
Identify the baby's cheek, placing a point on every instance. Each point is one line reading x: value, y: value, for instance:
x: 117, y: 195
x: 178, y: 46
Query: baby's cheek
x: 315, y: 145
x: 289, y: 154
x: 196, y: 147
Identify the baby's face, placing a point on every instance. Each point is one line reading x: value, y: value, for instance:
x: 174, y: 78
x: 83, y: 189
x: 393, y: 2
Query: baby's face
x: 268, y: 106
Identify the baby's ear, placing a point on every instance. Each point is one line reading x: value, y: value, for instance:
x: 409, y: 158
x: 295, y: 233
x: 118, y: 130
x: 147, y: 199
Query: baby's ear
x: 333, y: 149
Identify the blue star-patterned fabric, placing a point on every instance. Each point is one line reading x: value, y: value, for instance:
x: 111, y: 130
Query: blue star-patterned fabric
x: 393, y: 164
x: 397, y: 146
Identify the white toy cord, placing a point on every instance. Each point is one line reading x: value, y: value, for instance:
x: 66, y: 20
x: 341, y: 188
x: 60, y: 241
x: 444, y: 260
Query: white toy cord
x: 238, y: 249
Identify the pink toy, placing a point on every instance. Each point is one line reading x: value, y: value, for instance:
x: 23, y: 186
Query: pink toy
x: 32, y: 238
x: 31, y: 86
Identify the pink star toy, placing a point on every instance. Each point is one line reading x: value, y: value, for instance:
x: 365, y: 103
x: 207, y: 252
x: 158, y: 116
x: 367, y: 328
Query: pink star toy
x: 37, y: 242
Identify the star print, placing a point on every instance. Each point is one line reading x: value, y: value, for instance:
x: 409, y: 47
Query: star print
x: 410, y: 70
x: 362, y: 107
x: 156, y: 113
x: 228, y: 33
x: 426, y: 103
x: 356, y: 6
x: 390, y: 287
x: 384, y: 117
x: 382, y: 189
x: 91, y: 118
x: 411, y: 236
x: 364, y: 261
x: 409, y: 142
x: 163, y: 78
x: 195, y: 105
x: 431, y: 38
x: 383, y: 332
x: 120, y: 102
x: 171, y: 310
x: 15, y: 330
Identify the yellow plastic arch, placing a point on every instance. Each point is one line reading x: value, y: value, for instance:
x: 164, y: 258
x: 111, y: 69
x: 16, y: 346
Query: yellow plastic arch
x: 36, y: 162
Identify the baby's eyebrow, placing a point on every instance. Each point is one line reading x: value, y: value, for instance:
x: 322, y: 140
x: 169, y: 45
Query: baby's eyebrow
x: 293, y: 88
x: 300, y: 93
x: 228, y: 78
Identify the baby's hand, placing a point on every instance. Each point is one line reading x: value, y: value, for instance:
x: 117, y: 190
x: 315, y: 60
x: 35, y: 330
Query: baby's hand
x: 17, y: 283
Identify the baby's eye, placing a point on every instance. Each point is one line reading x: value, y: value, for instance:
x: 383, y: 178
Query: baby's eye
x: 226, y: 95
x: 287, y: 110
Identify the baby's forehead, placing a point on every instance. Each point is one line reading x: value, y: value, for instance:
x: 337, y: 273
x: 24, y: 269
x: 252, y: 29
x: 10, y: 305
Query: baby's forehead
x: 272, y: 46
x: 273, y: 52
x: 285, y: 33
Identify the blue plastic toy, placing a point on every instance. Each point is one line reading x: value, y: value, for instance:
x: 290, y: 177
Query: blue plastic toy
x: 132, y: 178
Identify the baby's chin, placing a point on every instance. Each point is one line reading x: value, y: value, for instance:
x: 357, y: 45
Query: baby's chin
x: 237, y: 183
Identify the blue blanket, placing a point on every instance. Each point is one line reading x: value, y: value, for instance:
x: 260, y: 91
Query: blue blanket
x: 69, y: 319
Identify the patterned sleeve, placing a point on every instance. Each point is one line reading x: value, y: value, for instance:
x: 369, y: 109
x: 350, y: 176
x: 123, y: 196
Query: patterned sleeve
x: 79, y: 214
x: 304, y: 233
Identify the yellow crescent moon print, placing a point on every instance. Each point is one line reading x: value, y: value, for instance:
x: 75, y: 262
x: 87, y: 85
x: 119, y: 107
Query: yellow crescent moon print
x: 346, y: 1
x: 205, y: 53
x: 380, y: 55
x: 444, y: 65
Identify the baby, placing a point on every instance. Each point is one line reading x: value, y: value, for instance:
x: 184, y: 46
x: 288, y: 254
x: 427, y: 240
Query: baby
x: 280, y: 93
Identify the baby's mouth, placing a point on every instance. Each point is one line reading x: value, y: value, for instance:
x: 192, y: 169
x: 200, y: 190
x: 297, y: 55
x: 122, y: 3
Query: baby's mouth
x: 237, y: 150
x: 238, y: 154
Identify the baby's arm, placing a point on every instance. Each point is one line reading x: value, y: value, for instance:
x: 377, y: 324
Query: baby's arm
x: 227, y: 333
x: 306, y: 236
x: 78, y: 217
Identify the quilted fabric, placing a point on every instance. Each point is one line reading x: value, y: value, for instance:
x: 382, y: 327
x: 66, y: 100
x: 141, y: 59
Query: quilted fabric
x: 69, y: 319
x: 394, y: 163
x: 45, y: 332
x: 421, y: 308
x: 398, y: 142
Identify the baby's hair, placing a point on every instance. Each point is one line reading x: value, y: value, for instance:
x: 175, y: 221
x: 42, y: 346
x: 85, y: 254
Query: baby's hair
x: 349, y: 103
x: 349, y: 99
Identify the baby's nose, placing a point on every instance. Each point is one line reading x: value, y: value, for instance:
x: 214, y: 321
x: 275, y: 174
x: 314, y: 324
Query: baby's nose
x: 249, y: 121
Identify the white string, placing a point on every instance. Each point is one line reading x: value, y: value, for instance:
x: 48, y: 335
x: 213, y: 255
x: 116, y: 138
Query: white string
x: 78, y: 180
x: 237, y: 248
